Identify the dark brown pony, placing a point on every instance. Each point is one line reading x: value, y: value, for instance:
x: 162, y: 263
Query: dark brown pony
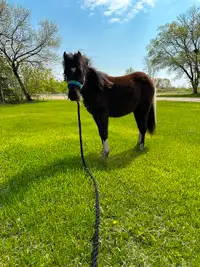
x: 105, y: 96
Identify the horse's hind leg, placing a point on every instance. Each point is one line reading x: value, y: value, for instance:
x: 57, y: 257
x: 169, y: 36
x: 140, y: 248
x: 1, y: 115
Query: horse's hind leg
x: 101, y: 120
x: 141, y: 115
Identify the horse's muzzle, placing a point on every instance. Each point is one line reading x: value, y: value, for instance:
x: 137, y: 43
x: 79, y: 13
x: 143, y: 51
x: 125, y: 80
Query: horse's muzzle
x: 74, y: 94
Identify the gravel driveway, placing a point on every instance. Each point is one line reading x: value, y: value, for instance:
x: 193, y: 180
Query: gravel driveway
x: 180, y: 99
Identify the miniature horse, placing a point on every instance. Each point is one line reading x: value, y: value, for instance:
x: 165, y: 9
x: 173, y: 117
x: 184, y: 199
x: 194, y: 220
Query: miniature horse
x: 105, y: 96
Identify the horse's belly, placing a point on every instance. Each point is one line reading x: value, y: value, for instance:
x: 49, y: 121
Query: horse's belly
x: 121, y: 107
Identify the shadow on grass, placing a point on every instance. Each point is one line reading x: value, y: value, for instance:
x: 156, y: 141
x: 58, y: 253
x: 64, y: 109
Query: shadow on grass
x: 14, y: 189
x: 114, y: 161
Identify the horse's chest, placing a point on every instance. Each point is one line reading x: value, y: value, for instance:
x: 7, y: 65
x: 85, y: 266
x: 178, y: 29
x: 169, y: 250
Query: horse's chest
x: 96, y: 103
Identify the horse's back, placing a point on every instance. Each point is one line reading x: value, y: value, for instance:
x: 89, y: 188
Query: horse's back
x: 128, y: 91
x: 131, y: 79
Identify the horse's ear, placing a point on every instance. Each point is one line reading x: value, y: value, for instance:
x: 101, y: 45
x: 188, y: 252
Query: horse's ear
x: 65, y: 55
x: 79, y: 54
x: 81, y: 59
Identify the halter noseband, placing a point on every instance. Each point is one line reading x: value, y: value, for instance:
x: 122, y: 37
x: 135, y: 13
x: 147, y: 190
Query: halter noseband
x: 75, y: 83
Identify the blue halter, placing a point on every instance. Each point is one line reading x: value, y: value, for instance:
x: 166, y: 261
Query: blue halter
x: 75, y: 83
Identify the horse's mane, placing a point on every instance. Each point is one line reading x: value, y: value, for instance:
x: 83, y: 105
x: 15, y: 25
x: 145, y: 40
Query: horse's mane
x: 101, y: 79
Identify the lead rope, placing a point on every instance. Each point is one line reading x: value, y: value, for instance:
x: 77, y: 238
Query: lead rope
x: 97, y: 206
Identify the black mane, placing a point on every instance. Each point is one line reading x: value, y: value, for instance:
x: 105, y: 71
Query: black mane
x: 98, y: 78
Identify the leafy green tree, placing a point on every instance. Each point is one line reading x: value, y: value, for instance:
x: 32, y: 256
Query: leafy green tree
x: 21, y: 44
x: 56, y: 86
x: 41, y: 80
x: 61, y: 87
x: 177, y: 47
x: 34, y: 78
x: 163, y: 83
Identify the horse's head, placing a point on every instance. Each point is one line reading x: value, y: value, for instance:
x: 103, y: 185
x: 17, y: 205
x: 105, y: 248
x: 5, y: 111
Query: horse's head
x: 75, y: 69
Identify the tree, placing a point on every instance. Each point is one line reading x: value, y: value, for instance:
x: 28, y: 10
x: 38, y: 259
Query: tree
x: 61, y: 87
x: 41, y: 80
x: 35, y: 78
x: 129, y: 70
x: 163, y: 83
x: 21, y: 44
x: 3, y: 82
x: 149, y: 67
x: 5, y: 79
x: 177, y: 46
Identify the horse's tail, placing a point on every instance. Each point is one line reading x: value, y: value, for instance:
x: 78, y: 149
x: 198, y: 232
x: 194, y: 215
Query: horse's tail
x: 151, y: 120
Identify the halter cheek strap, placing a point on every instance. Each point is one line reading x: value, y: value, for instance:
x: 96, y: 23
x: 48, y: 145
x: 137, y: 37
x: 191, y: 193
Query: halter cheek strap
x: 75, y: 83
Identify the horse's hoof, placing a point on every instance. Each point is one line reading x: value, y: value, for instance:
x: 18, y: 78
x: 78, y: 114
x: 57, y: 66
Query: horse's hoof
x: 105, y: 154
x: 141, y: 147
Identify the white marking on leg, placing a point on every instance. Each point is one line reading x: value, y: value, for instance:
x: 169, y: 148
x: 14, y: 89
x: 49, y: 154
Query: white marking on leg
x: 141, y: 147
x: 105, y: 145
x: 106, y: 149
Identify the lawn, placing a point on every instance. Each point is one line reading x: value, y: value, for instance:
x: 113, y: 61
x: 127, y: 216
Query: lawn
x: 150, y: 201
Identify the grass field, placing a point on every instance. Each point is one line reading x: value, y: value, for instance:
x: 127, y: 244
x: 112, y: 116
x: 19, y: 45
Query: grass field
x: 150, y: 201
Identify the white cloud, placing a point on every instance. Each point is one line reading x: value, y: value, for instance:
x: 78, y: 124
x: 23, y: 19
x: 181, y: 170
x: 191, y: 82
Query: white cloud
x: 119, y: 10
x: 114, y: 20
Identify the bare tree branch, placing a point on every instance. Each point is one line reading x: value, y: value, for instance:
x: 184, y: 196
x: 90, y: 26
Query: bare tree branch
x: 21, y: 44
x: 177, y: 46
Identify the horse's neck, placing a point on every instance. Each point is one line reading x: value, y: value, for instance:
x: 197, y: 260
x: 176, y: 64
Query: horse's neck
x: 99, y: 79
x: 91, y: 77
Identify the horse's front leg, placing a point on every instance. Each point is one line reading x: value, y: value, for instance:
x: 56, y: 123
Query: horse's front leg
x: 101, y: 120
x: 105, y: 151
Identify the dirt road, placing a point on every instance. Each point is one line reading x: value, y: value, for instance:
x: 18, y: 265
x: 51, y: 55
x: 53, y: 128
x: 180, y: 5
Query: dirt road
x: 180, y: 99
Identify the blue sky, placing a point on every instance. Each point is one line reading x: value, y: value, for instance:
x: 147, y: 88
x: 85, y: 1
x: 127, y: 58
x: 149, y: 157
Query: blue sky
x: 113, y: 33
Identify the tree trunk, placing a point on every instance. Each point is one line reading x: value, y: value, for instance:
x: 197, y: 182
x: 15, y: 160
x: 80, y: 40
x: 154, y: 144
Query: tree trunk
x: 28, y: 97
x: 194, y: 87
x: 1, y: 96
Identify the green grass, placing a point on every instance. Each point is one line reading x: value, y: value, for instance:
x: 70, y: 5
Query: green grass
x: 150, y: 201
